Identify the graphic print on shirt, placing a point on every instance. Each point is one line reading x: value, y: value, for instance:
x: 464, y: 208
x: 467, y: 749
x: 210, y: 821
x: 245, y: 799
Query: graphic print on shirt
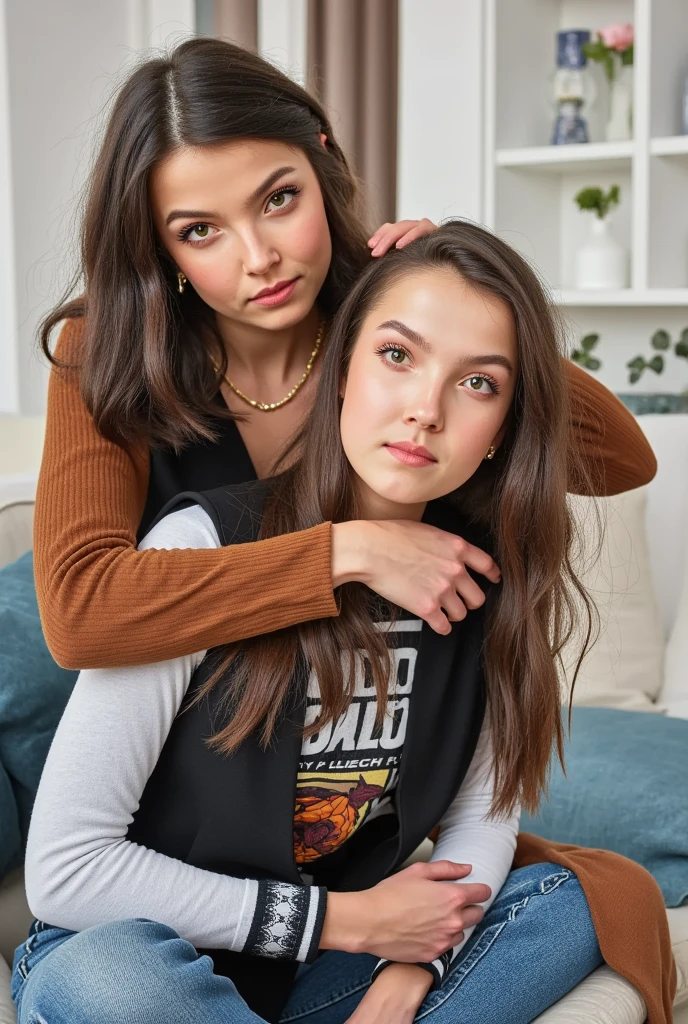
x: 349, y: 770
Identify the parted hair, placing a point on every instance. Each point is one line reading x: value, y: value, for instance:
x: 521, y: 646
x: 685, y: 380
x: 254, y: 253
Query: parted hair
x: 518, y: 498
x: 147, y: 370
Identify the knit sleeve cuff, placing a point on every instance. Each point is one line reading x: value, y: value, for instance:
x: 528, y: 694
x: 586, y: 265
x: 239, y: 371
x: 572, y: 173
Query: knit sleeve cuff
x: 287, y: 921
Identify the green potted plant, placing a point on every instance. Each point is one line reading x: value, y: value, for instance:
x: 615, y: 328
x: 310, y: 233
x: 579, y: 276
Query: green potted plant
x: 602, y: 262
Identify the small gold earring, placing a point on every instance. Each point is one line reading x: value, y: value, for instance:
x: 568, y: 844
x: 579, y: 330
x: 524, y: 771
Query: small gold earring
x: 491, y: 452
x: 181, y: 279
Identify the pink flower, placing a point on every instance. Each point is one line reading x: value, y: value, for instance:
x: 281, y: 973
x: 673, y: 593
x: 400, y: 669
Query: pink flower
x: 617, y: 37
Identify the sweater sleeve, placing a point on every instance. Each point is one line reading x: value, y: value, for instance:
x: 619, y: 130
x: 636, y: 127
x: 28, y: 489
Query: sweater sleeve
x: 614, y: 452
x: 90, y: 498
x: 89, y: 503
x: 81, y: 870
x: 467, y: 835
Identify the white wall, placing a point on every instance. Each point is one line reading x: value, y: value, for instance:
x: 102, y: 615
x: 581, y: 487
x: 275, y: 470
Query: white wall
x: 282, y: 35
x: 61, y: 59
x: 61, y: 62
x: 440, y: 109
x: 159, y: 23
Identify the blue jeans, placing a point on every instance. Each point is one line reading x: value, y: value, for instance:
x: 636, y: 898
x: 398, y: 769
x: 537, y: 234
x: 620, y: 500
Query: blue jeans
x: 533, y: 946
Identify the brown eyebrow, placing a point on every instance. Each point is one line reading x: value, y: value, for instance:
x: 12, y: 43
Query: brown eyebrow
x: 468, y: 362
x: 490, y: 360
x: 199, y: 215
x: 268, y: 183
x: 408, y: 332
x: 202, y: 215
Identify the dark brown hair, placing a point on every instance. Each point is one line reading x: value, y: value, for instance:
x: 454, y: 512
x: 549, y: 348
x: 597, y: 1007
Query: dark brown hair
x: 519, y: 498
x: 146, y: 371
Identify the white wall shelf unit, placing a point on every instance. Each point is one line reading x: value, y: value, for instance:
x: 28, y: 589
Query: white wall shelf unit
x: 560, y: 159
x: 529, y: 186
x: 672, y: 145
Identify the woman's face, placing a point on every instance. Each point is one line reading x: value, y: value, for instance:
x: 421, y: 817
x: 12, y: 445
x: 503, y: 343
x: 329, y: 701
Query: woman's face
x: 429, y: 387
x: 241, y: 219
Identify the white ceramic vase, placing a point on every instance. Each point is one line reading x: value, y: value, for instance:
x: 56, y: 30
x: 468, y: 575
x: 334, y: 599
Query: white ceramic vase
x: 620, y: 123
x: 602, y: 262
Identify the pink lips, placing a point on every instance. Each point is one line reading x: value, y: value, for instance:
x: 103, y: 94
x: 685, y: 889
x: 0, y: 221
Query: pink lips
x: 276, y: 295
x: 411, y: 454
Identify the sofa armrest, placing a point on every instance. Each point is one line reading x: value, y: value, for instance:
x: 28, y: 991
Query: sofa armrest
x: 603, y: 996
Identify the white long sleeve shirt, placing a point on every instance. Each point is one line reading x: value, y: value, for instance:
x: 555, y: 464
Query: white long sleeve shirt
x: 81, y: 870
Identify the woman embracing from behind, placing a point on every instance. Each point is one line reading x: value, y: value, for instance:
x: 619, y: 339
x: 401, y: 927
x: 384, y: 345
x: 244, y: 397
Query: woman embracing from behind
x: 206, y: 824
x: 221, y: 235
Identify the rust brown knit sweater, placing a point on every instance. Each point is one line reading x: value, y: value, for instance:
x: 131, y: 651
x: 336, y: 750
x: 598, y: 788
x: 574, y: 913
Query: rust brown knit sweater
x: 104, y: 604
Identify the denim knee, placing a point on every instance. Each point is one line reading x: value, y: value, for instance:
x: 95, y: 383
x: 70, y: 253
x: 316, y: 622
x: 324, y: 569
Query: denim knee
x: 114, y: 973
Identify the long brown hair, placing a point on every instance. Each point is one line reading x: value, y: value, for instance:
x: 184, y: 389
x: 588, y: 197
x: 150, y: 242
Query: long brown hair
x: 146, y: 371
x: 519, y: 498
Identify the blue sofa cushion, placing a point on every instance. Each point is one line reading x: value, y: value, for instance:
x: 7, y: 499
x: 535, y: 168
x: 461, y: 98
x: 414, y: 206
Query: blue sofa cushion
x: 33, y: 693
x: 626, y: 790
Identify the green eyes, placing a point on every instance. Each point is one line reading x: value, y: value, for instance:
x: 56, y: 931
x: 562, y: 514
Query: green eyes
x: 479, y: 384
x: 195, y: 233
x: 396, y: 355
x: 285, y: 197
x: 280, y: 200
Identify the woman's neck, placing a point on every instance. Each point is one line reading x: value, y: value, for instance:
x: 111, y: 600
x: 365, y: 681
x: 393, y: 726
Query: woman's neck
x: 372, y: 505
x: 260, y: 354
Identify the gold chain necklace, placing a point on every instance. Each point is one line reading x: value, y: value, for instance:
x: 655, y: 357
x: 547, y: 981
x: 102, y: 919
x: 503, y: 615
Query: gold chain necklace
x: 269, y: 406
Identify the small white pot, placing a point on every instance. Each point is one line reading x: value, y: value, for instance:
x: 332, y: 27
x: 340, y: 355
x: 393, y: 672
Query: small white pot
x: 602, y: 262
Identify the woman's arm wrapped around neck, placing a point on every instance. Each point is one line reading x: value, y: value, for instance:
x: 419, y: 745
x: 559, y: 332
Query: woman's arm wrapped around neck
x: 105, y: 604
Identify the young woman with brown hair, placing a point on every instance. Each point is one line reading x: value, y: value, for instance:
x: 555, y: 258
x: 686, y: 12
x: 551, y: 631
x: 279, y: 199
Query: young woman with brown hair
x: 338, y: 744
x: 220, y: 236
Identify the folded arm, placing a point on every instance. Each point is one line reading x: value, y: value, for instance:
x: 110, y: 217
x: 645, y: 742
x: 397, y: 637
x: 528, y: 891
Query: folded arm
x: 91, y: 495
x: 81, y: 870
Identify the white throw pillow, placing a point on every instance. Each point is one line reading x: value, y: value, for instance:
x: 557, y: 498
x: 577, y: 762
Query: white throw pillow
x: 674, y: 693
x: 624, y: 668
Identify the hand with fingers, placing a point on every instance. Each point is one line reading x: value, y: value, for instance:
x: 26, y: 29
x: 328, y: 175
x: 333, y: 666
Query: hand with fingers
x: 413, y: 916
x: 398, y: 234
x: 413, y: 565
x: 409, y: 918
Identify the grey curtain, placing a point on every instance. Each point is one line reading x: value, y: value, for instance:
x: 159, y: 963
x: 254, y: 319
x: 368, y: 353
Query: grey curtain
x: 237, y: 21
x: 352, y: 69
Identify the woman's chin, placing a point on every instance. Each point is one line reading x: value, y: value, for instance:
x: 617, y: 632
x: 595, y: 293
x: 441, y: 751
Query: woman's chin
x: 406, y: 497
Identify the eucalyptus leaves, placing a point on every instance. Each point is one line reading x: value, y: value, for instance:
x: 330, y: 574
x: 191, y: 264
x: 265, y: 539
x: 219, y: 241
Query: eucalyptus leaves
x: 660, y: 341
x: 582, y: 355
